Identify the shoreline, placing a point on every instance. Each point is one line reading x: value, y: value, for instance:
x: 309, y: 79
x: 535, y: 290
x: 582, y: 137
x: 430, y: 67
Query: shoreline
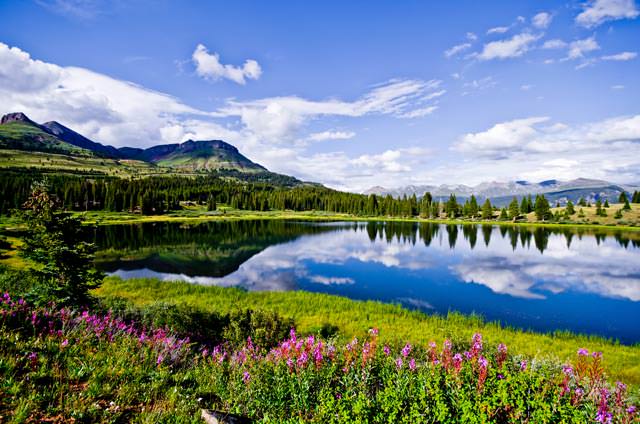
x: 117, y: 218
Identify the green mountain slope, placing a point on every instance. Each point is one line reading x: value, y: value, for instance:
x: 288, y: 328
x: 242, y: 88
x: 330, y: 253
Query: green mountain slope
x: 20, y: 133
x: 196, y: 155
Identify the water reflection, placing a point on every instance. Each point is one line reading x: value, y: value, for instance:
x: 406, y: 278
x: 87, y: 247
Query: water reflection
x: 530, y: 277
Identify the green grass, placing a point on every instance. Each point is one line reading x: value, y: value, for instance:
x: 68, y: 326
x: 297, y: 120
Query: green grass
x: 20, y: 135
x: 312, y: 311
x: 629, y: 223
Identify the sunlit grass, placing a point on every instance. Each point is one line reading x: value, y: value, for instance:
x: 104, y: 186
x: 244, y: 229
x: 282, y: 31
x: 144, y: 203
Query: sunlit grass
x: 312, y: 311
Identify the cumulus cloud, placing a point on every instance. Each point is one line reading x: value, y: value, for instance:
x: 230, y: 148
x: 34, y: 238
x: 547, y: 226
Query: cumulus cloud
x: 624, y: 56
x: 457, y: 49
x: 578, y: 48
x: 541, y: 20
x: 208, y: 66
x: 529, y: 149
x: 596, y: 12
x: 102, y: 108
x: 515, y: 46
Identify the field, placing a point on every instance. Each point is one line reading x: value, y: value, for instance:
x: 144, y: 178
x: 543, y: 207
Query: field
x: 312, y: 312
x: 74, y: 164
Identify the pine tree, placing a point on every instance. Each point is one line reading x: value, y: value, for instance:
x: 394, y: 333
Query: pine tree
x: 542, y: 209
x: 514, y: 211
x: 623, y: 197
x: 606, y: 203
x: 582, y: 202
x: 487, y: 210
x: 627, y: 206
x: 503, y: 214
x: 473, y: 206
x: 211, y: 203
x: 570, y: 210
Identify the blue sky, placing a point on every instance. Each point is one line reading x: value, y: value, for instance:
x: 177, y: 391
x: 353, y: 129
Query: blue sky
x: 350, y: 94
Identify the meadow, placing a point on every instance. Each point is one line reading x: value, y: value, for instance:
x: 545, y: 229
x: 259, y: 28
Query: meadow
x: 61, y: 365
x: 316, y: 313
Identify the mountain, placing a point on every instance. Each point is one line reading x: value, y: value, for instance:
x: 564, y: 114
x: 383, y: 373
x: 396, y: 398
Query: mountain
x: 70, y: 136
x: 19, y: 132
x: 195, y: 155
x: 501, y: 193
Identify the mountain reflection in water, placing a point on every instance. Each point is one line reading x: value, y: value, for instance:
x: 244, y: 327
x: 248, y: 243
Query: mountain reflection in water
x: 531, y: 277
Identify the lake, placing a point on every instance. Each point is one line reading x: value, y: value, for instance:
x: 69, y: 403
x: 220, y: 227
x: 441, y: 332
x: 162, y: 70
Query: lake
x: 528, y: 277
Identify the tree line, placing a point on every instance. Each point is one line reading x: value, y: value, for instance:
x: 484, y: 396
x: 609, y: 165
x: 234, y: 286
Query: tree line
x: 158, y: 195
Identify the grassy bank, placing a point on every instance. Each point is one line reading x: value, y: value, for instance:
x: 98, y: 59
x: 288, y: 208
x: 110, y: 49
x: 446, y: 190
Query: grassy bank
x: 65, y: 365
x: 315, y: 312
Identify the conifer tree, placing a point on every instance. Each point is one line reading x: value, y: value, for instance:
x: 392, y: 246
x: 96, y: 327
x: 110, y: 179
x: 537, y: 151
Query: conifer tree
x: 570, y: 210
x: 487, y: 210
x: 542, y: 209
x: 514, y: 211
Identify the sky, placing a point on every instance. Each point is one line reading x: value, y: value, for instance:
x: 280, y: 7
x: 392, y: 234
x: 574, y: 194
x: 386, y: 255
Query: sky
x: 349, y: 94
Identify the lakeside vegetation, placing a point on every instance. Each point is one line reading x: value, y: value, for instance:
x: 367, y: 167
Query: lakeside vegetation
x: 150, y: 351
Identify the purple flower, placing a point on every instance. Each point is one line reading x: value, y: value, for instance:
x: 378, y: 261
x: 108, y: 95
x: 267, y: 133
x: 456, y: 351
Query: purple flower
x: 523, y: 365
x: 338, y: 396
x: 246, y: 377
x: 406, y: 350
x: 160, y: 359
x: 579, y: 392
x: 483, y: 362
x: 64, y: 343
x: 500, y: 377
x: 631, y: 409
x: 373, y: 331
x: 567, y: 370
x: 386, y: 350
x: 502, y: 348
x: 399, y: 363
x: 412, y: 364
x: 583, y: 352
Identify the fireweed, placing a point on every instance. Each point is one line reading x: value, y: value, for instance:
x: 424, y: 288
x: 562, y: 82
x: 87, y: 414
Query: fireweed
x: 306, y: 378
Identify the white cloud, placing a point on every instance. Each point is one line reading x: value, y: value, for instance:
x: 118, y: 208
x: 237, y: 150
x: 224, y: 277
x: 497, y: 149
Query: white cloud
x: 102, y: 108
x: 515, y: 46
x: 497, y: 30
x: 278, y: 118
x: 597, y: 12
x: 624, y: 56
x: 208, y: 66
x: 554, y: 44
x: 456, y: 49
x: 419, y: 113
x: 332, y: 135
x: 617, y: 87
x: 471, y: 36
x: 526, y: 87
x: 505, y: 135
x: 541, y: 20
x: 578, y: 48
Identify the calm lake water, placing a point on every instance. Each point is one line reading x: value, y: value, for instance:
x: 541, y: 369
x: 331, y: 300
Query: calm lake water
x: 529, y: 278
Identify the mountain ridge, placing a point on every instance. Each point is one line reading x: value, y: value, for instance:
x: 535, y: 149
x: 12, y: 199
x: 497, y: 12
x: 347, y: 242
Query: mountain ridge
x: 18, y: 132
x: 502, y: 193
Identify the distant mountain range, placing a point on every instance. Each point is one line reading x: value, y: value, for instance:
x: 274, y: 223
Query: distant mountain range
x: 18, y: 132
x: 502, y: 193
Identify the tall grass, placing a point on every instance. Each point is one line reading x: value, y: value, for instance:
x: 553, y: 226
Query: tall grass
x: 321, y: 313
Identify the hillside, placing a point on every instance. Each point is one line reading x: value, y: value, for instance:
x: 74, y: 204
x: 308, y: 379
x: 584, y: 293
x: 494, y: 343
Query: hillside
x: 195, y: 155
x: 70, y: 136
x: 18, y: 132
x: 54, y: 147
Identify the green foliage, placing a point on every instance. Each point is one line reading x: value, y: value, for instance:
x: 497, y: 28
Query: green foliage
x: 55, y: 241
x: 312, y: 311
x: 451, y: 208
x: 570, y: 209
x: 94, y: 368
x: 542, y: 209
x: 29, y: 137
x: 582, y: 202
x: 618, y: 214
x: 503, y: 214
x: 514, y: 209
x: 623, y: 197
x: 487, y: 210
